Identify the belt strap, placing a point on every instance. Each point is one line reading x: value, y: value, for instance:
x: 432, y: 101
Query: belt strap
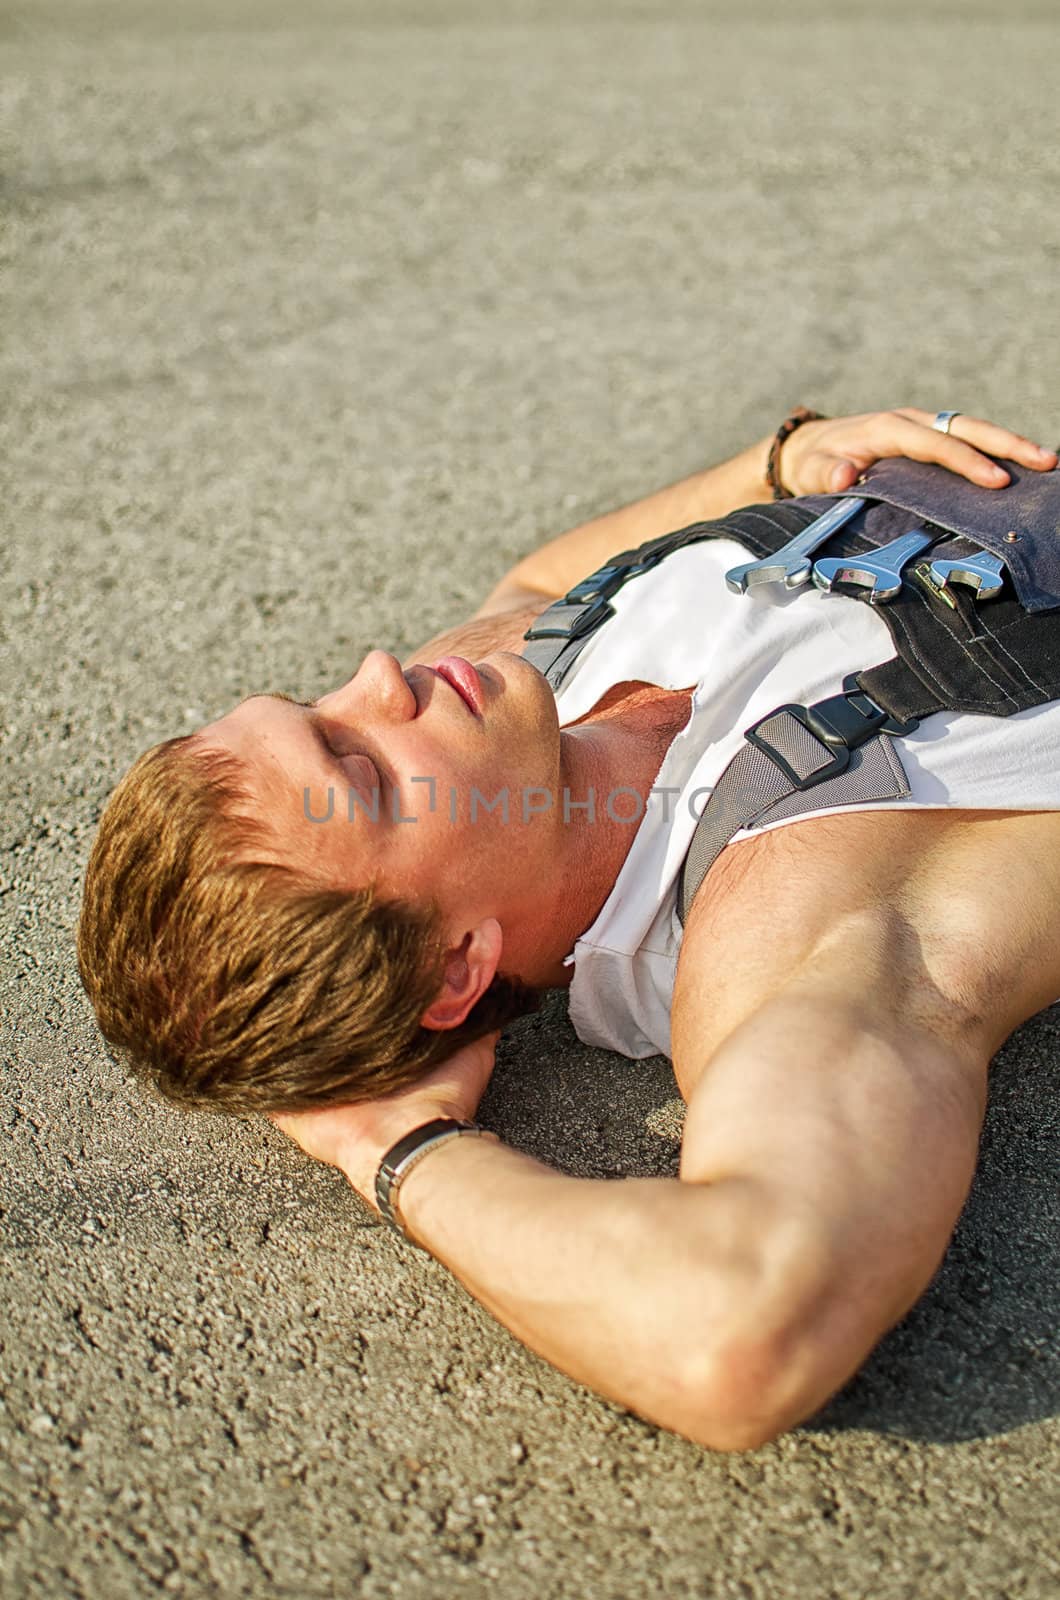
x: 796, y: 760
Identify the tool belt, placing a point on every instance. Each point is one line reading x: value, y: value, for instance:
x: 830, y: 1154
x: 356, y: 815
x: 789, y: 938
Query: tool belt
x: 967, y: 580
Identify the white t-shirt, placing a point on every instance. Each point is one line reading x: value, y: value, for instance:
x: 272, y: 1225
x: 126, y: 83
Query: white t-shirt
x: 678, y: 624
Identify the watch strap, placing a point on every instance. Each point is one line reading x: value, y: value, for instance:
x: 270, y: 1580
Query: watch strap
x: 407, y: 1153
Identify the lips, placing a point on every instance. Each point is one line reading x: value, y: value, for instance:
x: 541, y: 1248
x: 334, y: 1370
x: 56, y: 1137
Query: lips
x: 461, y: 676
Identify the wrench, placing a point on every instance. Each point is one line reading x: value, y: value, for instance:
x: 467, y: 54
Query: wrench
x: 790, y: 565
x: 983, y: 572
x: 880, y: 571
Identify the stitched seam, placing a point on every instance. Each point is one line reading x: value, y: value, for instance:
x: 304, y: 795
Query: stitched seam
x: 934, y: 683
x: 975, y: 662
x: 991, y: 633
x: 758, y: 516
x: 964, y: 649
x: 901, y: 626
x: 1015, y: 662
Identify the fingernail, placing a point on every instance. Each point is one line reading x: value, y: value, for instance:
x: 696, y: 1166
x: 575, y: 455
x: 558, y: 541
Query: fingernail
x: 999, y: 475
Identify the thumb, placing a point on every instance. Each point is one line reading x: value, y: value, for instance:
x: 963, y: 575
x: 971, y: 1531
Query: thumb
x: 842, y: 475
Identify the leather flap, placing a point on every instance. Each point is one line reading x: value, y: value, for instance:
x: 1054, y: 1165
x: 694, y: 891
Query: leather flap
x: 1029, y: 506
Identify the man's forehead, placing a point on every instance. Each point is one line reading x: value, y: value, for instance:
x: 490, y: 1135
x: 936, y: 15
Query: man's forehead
x: 245, y: 730
x: 254, y: 709
x: 273, y: 772
x: 253, y: 735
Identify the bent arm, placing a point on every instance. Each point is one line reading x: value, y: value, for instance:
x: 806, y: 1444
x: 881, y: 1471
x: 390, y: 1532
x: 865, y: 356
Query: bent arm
x: 627, y: 1285
x: 826, y: 1159
x: 825, y: 456
x: 835, y: 1104
x: 556, y: 566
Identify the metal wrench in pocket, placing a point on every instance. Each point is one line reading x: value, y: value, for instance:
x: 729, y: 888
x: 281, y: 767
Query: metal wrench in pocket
x: 981, y: 571
x: 879, y: 571
x: 791, y: 564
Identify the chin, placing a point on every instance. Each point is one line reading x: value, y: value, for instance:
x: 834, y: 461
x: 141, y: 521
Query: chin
x: 532, y: 675
x: 518, y: 674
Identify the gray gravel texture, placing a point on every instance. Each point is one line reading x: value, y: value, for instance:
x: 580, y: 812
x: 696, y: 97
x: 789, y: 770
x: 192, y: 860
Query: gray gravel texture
x: 316, y: 318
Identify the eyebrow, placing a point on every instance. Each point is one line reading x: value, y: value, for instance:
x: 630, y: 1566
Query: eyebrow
x: 278, y: 694
x: 318, y: 732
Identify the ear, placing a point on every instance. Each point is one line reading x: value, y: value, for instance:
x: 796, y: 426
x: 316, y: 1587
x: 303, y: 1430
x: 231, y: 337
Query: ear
x: 469, y: 971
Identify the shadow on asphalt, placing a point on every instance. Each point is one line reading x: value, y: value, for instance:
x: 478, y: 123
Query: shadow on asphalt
x: 979, y: 1354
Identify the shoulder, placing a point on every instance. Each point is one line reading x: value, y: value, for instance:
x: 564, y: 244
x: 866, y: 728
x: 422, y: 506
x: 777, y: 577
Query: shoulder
x: 954, y: 916
x: 500, y: 630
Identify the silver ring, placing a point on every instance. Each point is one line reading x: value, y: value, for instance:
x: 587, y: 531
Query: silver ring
x: 943, y: 419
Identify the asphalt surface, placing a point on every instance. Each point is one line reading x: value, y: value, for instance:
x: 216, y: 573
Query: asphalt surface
x: 316, y: 318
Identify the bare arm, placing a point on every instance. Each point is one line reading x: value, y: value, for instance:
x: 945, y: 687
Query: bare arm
x: 828, y: 1152
x: 556, y: 566
x: 533, y: 583
x: 728, y: 1304
x: 819, y: 458
x: 831, y: 1134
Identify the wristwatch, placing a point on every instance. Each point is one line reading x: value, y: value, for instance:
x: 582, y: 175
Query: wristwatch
x: 408, y: 1153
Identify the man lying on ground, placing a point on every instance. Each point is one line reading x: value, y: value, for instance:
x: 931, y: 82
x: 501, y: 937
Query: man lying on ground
x: 327, y: 910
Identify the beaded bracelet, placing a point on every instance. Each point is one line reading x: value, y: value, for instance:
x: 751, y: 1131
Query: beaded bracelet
x: 800, y: 415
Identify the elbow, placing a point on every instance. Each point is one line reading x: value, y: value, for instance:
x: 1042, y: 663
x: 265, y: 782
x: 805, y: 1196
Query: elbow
x: 740, y: 1398
x: 775, y: 1354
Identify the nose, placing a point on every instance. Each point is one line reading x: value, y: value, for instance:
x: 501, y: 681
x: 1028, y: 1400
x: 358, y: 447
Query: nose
x: 378, y: 686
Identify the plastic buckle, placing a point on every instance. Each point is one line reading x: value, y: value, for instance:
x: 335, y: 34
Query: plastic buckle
x: 889, y: 724
x: 570, y: 621
x: 600, y: 584
x: 845, y: 719
x: 606, y: 581
x: 839, y: 750
x: 840, y: 723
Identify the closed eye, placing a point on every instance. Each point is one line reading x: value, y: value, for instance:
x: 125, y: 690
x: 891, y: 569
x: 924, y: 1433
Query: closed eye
x: 380, y: 780
x: 363, y: 761
x: 349, y: 755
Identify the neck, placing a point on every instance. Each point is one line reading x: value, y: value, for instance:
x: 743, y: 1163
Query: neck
x: 620, y: 750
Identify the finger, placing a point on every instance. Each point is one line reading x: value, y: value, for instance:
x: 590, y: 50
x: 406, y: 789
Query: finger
x: 822, y: 472
x: 990, y: 438
x: 898, y: 435
x: 287, y: 1124
x: 840, y: 475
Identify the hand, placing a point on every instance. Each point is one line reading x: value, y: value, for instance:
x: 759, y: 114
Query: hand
x: 829, y: 456
x: 355, y: 1138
